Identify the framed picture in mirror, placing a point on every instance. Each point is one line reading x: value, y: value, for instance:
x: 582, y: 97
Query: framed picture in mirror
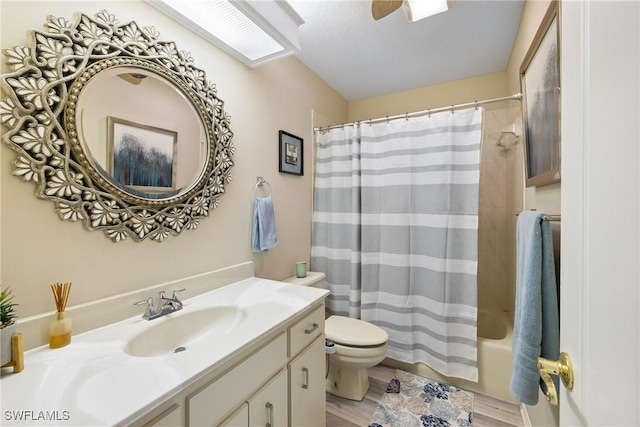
x: 142, y: 157
x: 291, y: 159
x: 540, y: 84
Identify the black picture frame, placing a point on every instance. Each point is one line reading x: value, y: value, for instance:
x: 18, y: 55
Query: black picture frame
x: 290, y: 153
x: 540, y: 84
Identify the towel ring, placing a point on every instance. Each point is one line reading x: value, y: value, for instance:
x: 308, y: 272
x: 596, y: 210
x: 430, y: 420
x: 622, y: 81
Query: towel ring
x: 260, y: 182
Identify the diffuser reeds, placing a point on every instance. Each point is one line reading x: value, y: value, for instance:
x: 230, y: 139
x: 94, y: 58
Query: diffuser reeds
x: 61, y: 295
x: 60, y: 327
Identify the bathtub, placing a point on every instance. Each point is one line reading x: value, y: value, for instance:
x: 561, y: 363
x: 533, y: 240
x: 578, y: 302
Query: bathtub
x: 495, y: 359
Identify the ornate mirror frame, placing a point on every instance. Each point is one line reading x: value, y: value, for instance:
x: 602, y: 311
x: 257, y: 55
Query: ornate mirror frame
x: 38, y: 110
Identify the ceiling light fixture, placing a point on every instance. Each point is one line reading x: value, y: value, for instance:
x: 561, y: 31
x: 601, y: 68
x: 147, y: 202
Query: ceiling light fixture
x: 414, y: 9
x: 253, y: 31
x: 420, y: 9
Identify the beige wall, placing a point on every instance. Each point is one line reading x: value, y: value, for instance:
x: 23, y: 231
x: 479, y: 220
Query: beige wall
x: 38, y: 248
x: 456, y: 92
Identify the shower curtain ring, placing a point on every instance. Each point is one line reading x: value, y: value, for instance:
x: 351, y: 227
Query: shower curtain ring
x: 387, y: 119
x: 452, y: 109
x: 476, y: 105
x: 369, y: 121
x: 406, y: 116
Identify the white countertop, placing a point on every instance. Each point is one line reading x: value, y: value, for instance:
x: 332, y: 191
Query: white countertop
x: 93, y: 382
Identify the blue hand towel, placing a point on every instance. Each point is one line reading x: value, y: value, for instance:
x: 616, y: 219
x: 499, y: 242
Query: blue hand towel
x: 264, y: 225
x: 537, y: 325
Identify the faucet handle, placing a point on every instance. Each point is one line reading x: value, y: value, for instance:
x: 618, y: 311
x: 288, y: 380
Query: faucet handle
x: 175, y: 293
x: 148, y: 301
x: 151, y: 308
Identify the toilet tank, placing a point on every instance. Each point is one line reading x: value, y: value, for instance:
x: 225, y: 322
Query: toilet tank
x: 314, y: 279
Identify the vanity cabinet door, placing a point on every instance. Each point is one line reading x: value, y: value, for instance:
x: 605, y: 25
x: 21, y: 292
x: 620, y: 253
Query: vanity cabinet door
x: 307, y: 387
x: 239, y: 419
x: 171, y: 417
x: 269, y: 406
x: 211, y: 404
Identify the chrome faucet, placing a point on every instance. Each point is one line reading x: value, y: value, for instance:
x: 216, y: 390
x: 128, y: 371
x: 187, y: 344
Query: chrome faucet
x: 173, y: 302
x: 165, y: 305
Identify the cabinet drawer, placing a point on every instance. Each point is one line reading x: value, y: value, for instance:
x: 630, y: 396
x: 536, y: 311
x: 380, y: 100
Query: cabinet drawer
x: 208, y: 406
x: 306, y: 330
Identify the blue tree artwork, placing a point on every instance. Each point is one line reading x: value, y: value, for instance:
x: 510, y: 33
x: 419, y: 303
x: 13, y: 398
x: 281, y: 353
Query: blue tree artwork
x: 143, y: 158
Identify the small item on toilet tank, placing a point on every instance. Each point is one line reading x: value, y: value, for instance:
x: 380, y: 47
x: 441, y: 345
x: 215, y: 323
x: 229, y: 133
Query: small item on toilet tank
x: 301, y: 269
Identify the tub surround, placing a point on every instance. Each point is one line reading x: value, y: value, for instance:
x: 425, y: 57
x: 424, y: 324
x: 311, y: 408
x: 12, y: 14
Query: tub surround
x: 93, y: 381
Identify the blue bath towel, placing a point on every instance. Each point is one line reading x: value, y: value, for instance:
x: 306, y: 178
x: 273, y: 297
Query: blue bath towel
x: 263, y: 236
x: 537, y: 325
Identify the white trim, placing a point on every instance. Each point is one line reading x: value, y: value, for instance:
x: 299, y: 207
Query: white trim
x: 526, y: 421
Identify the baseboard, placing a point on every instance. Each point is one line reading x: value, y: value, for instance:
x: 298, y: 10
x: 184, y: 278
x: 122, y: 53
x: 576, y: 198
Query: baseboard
x: 525, y: 415
x: 95, y: 314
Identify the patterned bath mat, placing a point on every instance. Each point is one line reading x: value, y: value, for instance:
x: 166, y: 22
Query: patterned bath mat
x: 413, y: 401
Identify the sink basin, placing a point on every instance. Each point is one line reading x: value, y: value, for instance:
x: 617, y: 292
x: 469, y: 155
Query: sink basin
x: 178, y: 331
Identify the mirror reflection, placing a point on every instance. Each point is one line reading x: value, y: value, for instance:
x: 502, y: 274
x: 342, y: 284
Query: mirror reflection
x: 118, y: 128
x: 141, y: 132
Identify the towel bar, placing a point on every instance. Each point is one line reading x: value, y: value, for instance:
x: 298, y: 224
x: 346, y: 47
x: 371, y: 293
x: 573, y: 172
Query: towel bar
x: 562, y: 368
x: 547, y: 217
x: 260, y: 181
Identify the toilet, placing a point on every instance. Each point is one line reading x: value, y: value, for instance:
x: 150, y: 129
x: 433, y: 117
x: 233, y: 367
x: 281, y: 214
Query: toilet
x: 358, y: 345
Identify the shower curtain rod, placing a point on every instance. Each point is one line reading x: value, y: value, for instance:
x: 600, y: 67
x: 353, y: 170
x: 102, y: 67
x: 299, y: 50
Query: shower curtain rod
x: 517, y: 96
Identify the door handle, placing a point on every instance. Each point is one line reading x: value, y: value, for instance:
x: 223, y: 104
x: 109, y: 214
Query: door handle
x: 562, y: 368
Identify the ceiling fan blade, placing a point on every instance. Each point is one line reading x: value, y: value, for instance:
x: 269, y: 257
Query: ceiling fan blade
x: 382, y: 8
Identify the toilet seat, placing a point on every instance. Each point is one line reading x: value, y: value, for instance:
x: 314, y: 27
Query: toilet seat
x: 354, y: 332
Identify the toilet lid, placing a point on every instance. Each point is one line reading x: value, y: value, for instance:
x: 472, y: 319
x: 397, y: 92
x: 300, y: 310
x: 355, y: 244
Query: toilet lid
x: 354, y: 332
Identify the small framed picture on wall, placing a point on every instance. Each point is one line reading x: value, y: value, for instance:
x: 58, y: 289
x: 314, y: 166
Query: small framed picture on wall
x: 291, y: 159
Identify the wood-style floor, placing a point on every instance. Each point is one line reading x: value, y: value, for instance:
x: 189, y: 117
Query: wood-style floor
x: 487, y: 411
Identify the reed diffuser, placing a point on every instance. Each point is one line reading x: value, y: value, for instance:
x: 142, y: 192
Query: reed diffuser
x: 60, y: 327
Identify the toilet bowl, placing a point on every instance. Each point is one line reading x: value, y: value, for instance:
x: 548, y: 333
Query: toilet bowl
x: 358, y: 345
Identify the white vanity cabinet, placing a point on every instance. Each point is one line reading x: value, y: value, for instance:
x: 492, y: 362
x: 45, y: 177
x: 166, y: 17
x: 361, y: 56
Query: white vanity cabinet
x: 268, y: 406
x: 209, y: 405
x: 307, y: 387
x: 280, y: 383
x: 239, y: 341
x: 170, y: 417
x: 307, y: 371
x: 240, y: 418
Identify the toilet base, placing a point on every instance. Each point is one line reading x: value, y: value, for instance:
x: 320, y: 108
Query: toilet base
x: 349, y: 383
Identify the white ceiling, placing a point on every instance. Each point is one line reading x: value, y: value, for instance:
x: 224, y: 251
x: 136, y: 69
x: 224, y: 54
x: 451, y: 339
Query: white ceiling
x: 361, y: 58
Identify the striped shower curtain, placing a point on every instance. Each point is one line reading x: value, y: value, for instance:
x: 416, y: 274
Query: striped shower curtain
x: 395, y: 231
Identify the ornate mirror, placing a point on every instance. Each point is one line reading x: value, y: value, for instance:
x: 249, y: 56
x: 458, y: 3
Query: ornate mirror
x: 118, y: 128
